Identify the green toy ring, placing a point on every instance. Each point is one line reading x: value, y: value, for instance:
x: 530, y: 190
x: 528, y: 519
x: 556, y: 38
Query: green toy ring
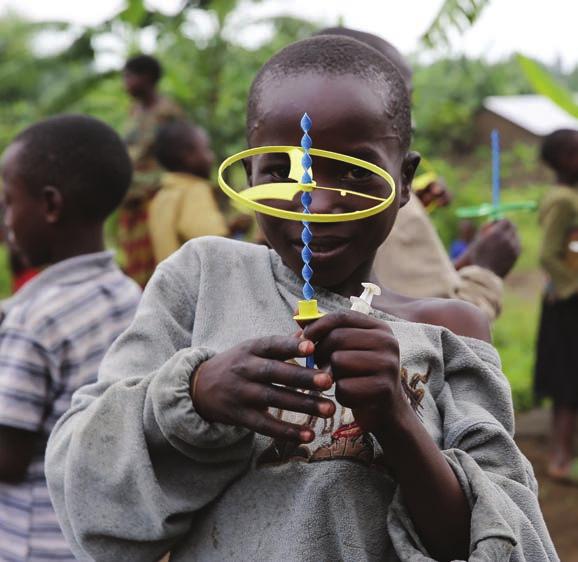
x: 490, y: 210
x: 286, y: 191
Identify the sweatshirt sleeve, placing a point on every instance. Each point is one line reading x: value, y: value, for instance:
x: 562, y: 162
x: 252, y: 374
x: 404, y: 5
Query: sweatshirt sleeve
x: 426, y: 269
x: 131, y: 462
x: 481, y: 287
x: 498, y: 481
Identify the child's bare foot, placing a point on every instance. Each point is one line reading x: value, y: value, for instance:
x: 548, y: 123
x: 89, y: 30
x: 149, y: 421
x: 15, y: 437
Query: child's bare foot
x: 566, y: 473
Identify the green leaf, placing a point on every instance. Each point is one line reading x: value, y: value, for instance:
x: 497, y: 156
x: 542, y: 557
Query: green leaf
x: 454, y: 15
x: 544, y: 83
x: 134, y: 12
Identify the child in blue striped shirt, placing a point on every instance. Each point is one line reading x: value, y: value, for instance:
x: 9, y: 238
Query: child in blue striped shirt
x: 62, y: 178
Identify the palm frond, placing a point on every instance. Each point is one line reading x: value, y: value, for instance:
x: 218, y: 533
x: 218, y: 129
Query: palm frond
x: 454, y: 15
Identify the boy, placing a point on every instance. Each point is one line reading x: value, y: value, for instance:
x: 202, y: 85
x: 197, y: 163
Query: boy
x: 62, y: 178
x: 141, y: 76
x: 221, y: 457
x: 426, y: 270
x: 185, y: 207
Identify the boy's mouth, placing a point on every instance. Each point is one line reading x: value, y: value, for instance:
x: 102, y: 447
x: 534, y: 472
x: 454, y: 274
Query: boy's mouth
x: 323, y: 247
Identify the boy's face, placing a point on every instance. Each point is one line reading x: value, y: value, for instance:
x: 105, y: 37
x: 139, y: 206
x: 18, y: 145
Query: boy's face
x: 137, y: 85
x: 24, y: 216
x: 348, y: 117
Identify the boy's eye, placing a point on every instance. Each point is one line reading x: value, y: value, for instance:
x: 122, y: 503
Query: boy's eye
x: 357, y: 173
x: 279, y: 172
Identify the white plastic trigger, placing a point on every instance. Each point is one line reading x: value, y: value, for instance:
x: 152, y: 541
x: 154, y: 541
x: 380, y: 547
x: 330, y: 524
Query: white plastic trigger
x: 363, y: 303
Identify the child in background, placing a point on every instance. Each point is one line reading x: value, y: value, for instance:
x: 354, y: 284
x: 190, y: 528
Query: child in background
x: 426, y: 270
x: 141, y: 77
x: 209, y: 444
x: 62, y: 178
x: 557, y: 354
x: 466, y: 233
x: 185, y: 206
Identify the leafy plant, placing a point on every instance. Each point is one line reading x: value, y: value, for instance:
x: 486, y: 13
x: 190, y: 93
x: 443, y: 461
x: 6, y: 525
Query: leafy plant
x: 453, y: 15
x: 544, y: 83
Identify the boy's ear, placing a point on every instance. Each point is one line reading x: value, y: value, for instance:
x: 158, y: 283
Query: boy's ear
x: 53, y: 204
x: 408, y: 168
x: 247, y: 164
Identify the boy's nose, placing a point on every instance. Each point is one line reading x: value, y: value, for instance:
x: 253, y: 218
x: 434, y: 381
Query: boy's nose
x: 327, y: 202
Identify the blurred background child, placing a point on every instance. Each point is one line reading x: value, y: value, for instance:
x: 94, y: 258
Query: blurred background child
x: 557, y: 355
x: 141, y: 75
x: 62, y: 178
x: 185, y: 207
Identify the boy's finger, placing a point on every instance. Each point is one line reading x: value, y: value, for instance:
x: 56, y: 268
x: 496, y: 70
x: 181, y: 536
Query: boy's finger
x: 343, y: 319
x: 281, y: 347
x: 278, y: 372
x: 269, y: 396
x: 342, y: 339
x: 266, y: 424
x: 355, y: 364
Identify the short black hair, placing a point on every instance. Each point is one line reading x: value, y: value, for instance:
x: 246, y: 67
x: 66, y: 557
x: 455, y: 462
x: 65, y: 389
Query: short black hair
x: 171, y: 140
x: 331, y: 55
x: 379, y: 44
x: 145, y: 65
x: 82, y: 157
x: 556, y: 145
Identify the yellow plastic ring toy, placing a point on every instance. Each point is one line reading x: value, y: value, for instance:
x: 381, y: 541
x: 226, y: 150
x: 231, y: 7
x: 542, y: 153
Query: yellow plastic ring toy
x: 287, y: 190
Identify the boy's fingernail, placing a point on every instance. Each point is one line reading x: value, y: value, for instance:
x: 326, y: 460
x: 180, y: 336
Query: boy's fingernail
x: 322, y: 380
x: 326, y: 409
x: 306, y: 435
x: 306, y: 346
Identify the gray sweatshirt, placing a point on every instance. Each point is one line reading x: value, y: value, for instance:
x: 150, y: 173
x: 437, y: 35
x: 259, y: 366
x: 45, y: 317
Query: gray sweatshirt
x: 134, y: 472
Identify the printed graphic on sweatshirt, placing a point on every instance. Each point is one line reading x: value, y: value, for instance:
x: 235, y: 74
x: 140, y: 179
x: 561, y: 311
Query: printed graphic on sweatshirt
x: 338, y: 437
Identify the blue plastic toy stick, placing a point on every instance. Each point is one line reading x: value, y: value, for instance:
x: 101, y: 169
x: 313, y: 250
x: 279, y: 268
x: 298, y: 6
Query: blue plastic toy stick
x: 495, y: 136
x: 306, y: 236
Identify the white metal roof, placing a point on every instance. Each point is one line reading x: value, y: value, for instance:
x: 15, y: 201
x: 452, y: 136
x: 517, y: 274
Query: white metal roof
x: 537, y: 114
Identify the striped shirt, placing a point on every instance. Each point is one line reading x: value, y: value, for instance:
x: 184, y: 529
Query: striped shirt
x: 53, y: 335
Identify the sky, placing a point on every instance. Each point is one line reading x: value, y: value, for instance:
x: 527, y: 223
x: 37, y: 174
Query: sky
x: 542, y: 29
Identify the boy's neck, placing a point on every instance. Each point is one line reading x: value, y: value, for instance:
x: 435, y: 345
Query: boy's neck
x: 352, y: 287
x: 149, y: 99
x: 190, y: 172
x: 563, y: 179
x: 71, y: 243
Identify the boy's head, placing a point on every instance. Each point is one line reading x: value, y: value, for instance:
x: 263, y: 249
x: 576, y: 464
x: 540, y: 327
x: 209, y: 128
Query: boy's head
x: 141, y: 74
x: 559, y: 151
x: 380, y: 45
x: 182, y: 147
x: 62, y: 178
x: 359, y: 106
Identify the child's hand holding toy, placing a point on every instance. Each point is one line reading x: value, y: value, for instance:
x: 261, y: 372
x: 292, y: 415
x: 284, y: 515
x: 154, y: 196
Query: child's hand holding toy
x: 238, y: 386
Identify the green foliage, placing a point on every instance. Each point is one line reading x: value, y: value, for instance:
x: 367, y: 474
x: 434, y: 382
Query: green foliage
x: 544, y: 83
x: 456, y: 15
x: 209, y: 76
x: 448, y: 94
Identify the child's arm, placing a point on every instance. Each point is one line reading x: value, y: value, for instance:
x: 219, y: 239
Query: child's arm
x: 364, y: 358
x: 25, y: 382
x: 473, y: 500
x: 132, y: 462
x: 556, y: 223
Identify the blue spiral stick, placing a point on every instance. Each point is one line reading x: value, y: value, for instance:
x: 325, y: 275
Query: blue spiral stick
x: 495, y: 137
x: 306, y: 236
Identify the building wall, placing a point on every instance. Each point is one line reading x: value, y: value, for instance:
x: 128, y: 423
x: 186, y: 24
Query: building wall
x: 510, y: 134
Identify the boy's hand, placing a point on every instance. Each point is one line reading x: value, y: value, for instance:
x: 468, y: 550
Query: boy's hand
x: 363, y: 355
x: 238, y: 386
x: 497, y: 248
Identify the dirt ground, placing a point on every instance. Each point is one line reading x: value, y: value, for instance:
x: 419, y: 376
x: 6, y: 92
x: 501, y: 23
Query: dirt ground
x: 559, y: 502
